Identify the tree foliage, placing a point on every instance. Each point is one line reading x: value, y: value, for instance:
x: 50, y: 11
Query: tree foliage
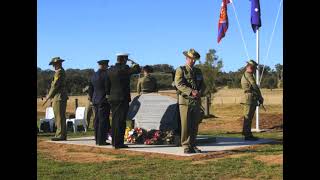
x: 77, y: 79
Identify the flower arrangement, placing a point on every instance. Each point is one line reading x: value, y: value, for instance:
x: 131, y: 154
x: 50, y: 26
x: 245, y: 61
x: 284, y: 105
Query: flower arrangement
x: 136, y: 135
x: 150, y: 137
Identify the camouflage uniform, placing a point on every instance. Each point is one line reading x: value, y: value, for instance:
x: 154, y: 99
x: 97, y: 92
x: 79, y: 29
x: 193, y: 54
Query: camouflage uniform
x: 250, y: 99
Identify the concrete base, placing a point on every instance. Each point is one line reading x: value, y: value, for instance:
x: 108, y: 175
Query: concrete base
x: 219, y: 144
x: 258, y: 130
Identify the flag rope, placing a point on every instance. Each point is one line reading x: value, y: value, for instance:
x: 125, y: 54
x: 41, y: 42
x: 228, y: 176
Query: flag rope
x: 244, y: 44
x: 270, y: 42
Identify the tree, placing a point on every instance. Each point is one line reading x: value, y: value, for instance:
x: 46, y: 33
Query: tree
x: 210, y: 70
x: 279, y: 71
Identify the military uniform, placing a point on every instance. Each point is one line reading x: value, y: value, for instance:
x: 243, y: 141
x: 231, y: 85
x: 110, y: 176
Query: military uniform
x: 58, y: 94
x: 97, y: 93
x: 90, y: 112
x: 188, y: 79
x: 147, y: 84
x: 250, y: 99
x: 118, y: 91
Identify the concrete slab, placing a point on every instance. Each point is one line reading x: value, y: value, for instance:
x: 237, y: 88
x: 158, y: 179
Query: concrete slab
x: 219, y: 144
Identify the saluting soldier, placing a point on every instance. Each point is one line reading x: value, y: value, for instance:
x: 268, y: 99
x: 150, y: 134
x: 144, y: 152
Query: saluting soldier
x: 90, y: 113
x: 190, y: 87
x: 97, y: 94
x: 58, y: 94
x: 118, y: 91
x: 252, y: 95
x: 148, y: 83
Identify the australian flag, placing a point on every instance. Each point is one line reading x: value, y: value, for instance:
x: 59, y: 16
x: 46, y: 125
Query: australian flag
x: 223, y: 20
x: 255, y: 15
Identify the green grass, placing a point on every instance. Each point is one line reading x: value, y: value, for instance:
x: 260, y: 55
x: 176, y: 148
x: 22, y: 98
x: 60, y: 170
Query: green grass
x: 139, y: 167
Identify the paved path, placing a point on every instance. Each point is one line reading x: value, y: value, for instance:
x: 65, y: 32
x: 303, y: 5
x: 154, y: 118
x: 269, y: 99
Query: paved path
x: 219, y: 144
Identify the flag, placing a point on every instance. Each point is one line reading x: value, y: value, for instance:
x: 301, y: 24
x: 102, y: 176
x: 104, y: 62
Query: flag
x: 255, y: 15
x: 223, y: 20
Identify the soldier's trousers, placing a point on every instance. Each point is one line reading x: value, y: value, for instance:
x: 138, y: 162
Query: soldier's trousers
x: 90, y: 112
x: 101, y: 122
x: 119, y: 116
x: 59, y: 109
x: 190, y: 116
x: 248, y: 113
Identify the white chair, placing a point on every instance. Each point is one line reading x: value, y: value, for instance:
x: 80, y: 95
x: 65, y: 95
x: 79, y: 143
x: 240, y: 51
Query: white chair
x: 80, y: 118
x: 49, y: 117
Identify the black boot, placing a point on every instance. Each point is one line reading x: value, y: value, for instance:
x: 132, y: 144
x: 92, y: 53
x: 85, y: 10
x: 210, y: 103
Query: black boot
x: 189, y: 150
x: 196, y: 150
x: 58, y: 139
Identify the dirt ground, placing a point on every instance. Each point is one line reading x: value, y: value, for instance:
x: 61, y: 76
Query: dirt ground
x: 229, y: 119
x: 86, y: 154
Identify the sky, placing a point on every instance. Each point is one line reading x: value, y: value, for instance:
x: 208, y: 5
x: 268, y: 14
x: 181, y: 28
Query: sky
x: 153, y: 32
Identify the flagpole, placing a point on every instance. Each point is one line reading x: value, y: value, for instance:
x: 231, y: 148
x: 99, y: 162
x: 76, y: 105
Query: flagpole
x: 257, y: 77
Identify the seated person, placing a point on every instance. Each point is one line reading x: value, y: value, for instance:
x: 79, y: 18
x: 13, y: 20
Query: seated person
x: 147, y: 84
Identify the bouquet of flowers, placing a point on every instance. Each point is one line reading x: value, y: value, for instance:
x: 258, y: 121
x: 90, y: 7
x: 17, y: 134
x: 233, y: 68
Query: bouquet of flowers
x: 126, y: 134
x: 136, y: 135
x: 168, y: 137
x: 153, y: 137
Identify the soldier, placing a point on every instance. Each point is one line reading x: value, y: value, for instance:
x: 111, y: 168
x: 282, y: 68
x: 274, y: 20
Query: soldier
x: 90, y: 112
x: 190, y: 86
x: 58, y: 94
x: 252, y: 96
x: 118, y: 91
x: 148, y: 83
x: 97, y: 94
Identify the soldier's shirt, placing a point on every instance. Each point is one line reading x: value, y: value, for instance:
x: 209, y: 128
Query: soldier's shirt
x: 248, y: 83
x: 58, y: 86
x: 187, y: 80
x: 147, y: 84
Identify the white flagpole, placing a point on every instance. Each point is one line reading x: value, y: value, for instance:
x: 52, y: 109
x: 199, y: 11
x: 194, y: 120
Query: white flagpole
x: 257, y: 77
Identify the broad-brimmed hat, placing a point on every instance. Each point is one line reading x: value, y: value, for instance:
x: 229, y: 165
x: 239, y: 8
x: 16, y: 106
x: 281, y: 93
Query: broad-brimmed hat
x: 193, y: 54
x: 252, y: 62
x: 104, y: 61
x: 55, y: 60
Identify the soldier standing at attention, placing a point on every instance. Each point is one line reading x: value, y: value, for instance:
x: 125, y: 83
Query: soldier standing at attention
x: 148, y: 83
x: 118, y: 91
x: 252, y: 96
x: 90, y: 113
x: 97, y: 94
x: 59, y: 95
x: 190, y: 87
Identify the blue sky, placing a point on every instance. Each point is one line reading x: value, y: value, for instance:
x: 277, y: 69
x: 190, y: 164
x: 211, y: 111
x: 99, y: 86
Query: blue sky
x: 153, y: 32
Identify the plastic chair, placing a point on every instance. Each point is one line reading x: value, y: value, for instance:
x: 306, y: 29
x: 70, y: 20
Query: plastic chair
x: 79, y: 119
x: 49, y: 117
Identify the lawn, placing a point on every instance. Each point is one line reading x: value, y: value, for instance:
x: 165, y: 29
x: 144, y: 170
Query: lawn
x: 254, y: 162
x: 261, y: 162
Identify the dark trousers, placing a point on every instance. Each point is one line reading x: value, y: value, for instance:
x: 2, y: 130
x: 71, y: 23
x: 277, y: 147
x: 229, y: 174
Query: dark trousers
x: 101, y: 122
x: 119, y: 117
